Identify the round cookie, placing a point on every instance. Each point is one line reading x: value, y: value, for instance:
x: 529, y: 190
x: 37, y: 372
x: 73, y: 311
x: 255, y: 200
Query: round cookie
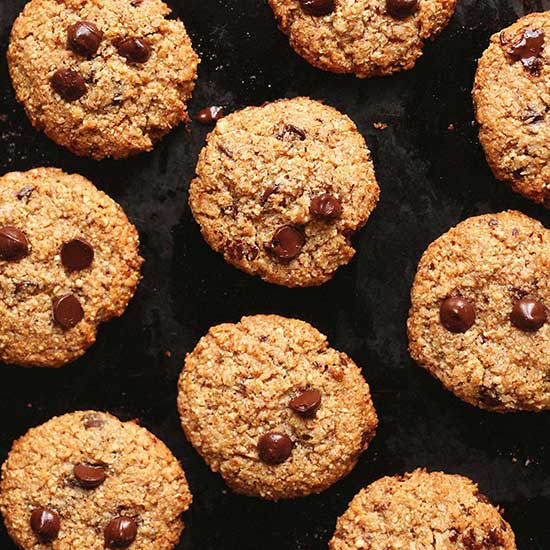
x: 511, y: 96
x: 365, y: 37
x: 69, y: 260
x: 281, y: 188
x: 272, y: 408
x: 423, y: 511
x: 104, y: 78
x: 86, y: 480
x: 479, y: 320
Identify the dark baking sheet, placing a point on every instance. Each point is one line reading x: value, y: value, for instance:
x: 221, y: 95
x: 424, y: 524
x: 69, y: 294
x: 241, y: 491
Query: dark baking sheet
x: 431, y: 177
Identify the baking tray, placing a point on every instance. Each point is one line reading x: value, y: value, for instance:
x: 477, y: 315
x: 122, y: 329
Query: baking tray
x: 432, y: 174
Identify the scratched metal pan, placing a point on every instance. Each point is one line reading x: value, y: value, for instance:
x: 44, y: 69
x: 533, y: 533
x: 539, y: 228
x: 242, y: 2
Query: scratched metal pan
x: 431, y: 177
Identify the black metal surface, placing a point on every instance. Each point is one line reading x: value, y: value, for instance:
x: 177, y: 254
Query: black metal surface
x: 431, y: 177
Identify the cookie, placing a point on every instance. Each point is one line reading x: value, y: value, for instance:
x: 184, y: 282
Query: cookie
x: 86, y: 480
x: 281, y: 188
x: 511, y: 96
x: 272, y: 408
x: 69, y: 260
x: 479, y: 319
x: 365, y: 37
x: 422, y: 511
x: 104, y: 78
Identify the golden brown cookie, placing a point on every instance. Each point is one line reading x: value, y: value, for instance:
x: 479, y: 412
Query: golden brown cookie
x: 69, y: 261
x: 272, y: 408
x: 512, y: 98
x: 365, y: 37
x: 104, y: 78
x: 281, y: 188
x: 422, y: 511
x: 87, y: 481
x: 479, y: 320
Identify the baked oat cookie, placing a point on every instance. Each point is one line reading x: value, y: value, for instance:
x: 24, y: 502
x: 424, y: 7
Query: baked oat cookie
x: 365, y: 37
x: 69, y: 260
x: 104, y: 78
x: 281, y: 188
x: 479, y: 320
x: 272, y: 408
x: 422, y: 511
x: 512, y: 100
x: 87, y: 481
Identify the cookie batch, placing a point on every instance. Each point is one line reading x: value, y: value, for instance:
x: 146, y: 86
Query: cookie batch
x: 279, y: 192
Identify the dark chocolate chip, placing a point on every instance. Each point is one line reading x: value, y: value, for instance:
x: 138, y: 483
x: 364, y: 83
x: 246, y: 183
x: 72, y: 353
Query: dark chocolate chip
x: 494, y: 539
x: 318, y: 8
x: 77, y: 254
x: 290, y: 132
x: 274, y: 448
x: 135, y: 50
x: 89, y: 477
x: 69, y: 84
x: 286, y: 243
x: 93, y: 420
x: 528, y: 314
x: 84, y: 38
x: 209, y: 114
x: 457, y: 314
x: 273, y: 188
x: 13, y: 243
x: 121, y: 532
x: 25, y: 192
x: 67, y: 311
x: 45, y: 523
x: 326, y: 206
x: 306, y: 403
x: 527, y: 49
x: 400, y: 9
x: 237, y: 250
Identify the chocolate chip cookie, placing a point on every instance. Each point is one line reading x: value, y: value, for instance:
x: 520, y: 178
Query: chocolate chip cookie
x: 69, y: 260
x: 422, y: 511
x: 88, y: 481
x: 365, y: 37
x: 281, y: 188
x: 479, y: 320
x: 272, y: 408
x: 104, y: 78
x: 512, y: 101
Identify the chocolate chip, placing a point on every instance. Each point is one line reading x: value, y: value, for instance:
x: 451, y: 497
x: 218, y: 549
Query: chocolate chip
x: 400, y: 9
x: 318, y: 8
x: 135, y: 50
x: 25, y: 192
x: 136, y: 3
x: 120, y: 532
x: 209, y: 114
x: 274, y: 448
x: 482, y: 498
x: 69, y: 84
x: 89, y: 477
x: 45, y: 523
x: 84, y: 38
x: 286, y: 243
x: 77, y: 254
x: 326, y: 206
x: 306, y: 403
x: 67, y: 311
x: 493, y: 222
x: 494, y: 539
x: 526, y: 49
x: 237, y: 250
x: 13, y: 244
x: 289, y: 132
x: 457, y: 314
x: 93, y: 420
x: 273, y: 188
x: 528, y: 314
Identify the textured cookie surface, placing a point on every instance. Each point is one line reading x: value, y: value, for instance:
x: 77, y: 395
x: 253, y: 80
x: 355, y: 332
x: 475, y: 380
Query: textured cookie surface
x: 512, y: 98
x: 141, y: 481
x: 479, y: 315
x: 50, y: 210
x: 273, y: 409
x: 365, y: 37
x: 422, y: 511
x: 130, y: 94
x: 281, y: 188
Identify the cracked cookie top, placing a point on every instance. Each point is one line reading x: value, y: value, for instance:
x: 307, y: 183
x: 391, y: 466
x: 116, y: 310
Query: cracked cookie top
x: 104, y: 78
x: 281, y: 188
